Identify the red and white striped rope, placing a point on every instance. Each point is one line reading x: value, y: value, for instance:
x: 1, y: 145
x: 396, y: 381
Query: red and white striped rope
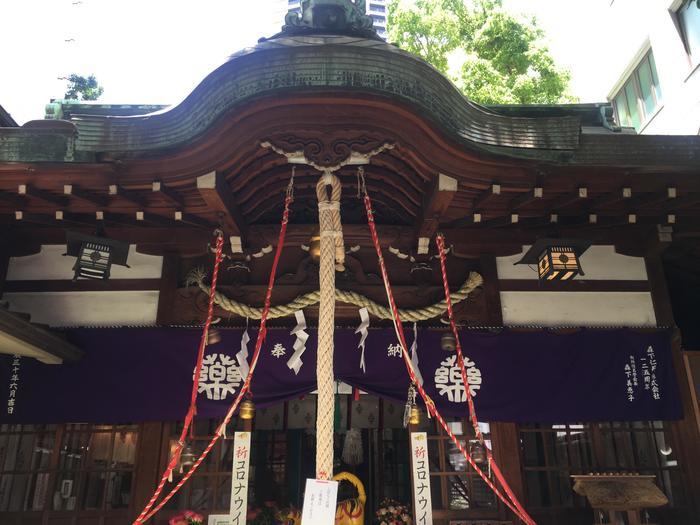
x: 192, y: 410
x: 262, y: 332
x: 440, y: 241
x: 430, y: 405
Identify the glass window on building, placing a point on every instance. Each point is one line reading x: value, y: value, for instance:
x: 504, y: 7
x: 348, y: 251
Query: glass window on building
x: 67, y: 469
x: 689, y: 23
x: 552, y: 453
x: 640, y: 96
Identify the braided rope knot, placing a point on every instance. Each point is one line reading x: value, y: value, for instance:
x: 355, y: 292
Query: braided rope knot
x: 329, y: 207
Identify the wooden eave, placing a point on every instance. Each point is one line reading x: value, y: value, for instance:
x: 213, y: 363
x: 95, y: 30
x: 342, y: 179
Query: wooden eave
x: 31, y: 340
x: 140, y: 178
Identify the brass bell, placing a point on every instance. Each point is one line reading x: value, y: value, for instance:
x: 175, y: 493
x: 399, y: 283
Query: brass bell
x: 213, y: 336
x: 247, y: 409
x: 315, y: 247
x: 448, y: 342
x: 477, y: 451
x: 414, y: 418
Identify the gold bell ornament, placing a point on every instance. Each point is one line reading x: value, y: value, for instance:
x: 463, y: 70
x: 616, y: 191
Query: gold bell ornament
x: 247, y: 409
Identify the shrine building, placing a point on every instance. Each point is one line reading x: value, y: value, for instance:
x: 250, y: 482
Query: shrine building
x: 307, y: 186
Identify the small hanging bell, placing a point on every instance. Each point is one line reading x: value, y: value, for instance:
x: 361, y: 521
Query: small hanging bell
x: 247, y: 409
x: 414, y: 418
x: 477, y: 451
x: 213, y: 336
x: 448, y: 342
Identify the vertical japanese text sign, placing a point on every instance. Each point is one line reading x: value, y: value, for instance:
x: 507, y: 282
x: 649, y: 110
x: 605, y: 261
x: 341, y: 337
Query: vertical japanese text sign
x: 421, y: 479
x: 239, y: 479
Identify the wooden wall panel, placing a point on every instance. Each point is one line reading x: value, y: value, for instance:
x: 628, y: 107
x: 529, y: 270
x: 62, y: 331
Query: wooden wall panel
x: 686, y: 434
x: 598, y: 263
x: 50, y: 264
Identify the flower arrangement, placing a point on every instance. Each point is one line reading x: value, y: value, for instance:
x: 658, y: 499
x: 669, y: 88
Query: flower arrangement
x: 187, y: 517
x: 391, y: 512
x: 264, y: 515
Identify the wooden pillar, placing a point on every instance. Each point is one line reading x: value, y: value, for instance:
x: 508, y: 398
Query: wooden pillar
x: 685, y: 433
x: 504, y: 436
x: 492, y: 289
x: 148, y: 465
x: 168, y: 289
x: 506, y: 451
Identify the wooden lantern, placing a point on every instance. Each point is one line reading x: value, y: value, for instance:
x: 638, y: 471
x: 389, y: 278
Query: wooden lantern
x: 95, y: 255
x: 556, y: 259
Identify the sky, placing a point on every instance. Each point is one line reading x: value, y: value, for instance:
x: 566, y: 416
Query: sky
x: 157, y: 51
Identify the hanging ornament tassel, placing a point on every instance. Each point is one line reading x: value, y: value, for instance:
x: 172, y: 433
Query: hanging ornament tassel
x: 352, y: 448
x: 414, y: 355
x: 362, y: 330
x: 242, y: 355
x: 299, y: 331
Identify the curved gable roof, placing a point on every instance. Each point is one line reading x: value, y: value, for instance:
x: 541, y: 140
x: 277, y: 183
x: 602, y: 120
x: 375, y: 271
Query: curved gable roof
x: 321, y: 63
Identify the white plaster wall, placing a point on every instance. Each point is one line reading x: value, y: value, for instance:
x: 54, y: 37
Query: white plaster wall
x: 87, y: 308
x: 578, y: 309
x: 633, y: 25
x: 49, y: 264
x: 598, y: 263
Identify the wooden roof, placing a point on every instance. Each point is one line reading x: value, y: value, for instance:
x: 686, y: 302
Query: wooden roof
x: 202, y: 163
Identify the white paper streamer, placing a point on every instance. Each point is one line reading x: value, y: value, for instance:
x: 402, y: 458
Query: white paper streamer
x: 299, y: 331
x: 414, y: 354
x: 362, y: 330
x: 242, y: 355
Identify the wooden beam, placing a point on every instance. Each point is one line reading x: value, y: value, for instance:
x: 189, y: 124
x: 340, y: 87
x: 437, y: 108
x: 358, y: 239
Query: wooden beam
x: 144, y: 218
x: 168, y: 194
x: 168, y: 287
x: 609, y: 198
x: 506, y: 220
x: 526, y: 198
x: 50, y: 198
x: 50, y: 347
x: 653, y: 198
x: 683, y: 202
x: 72, y: 190
x: 191, y: 220
x: 35, y: 218
x: 438, y: 200
x: 574, y: 285
x: 10, y: 198
x: 486, y: 196
x: 90, y: 285
x: 213, y: 189
x: 569, y: 199
x: 80, y: 219
x: 117, y: 191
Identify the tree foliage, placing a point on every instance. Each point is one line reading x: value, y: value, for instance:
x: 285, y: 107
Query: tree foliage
x: 83, y: 88
x: 492, y: 56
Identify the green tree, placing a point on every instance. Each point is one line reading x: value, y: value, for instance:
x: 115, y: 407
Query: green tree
x: 492, y: 56
x: 82, y: 88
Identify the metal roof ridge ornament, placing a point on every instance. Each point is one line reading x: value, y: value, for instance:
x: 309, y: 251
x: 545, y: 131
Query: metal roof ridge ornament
x: 343, y: 17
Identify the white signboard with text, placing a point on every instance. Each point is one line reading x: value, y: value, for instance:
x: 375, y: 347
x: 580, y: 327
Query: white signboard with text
x: 320, y: 500
x: 421, y: 479
x: 239, y: 480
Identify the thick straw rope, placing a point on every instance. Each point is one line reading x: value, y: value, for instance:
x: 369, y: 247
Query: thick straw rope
x: 332, y: 258
x: 382, y: 312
